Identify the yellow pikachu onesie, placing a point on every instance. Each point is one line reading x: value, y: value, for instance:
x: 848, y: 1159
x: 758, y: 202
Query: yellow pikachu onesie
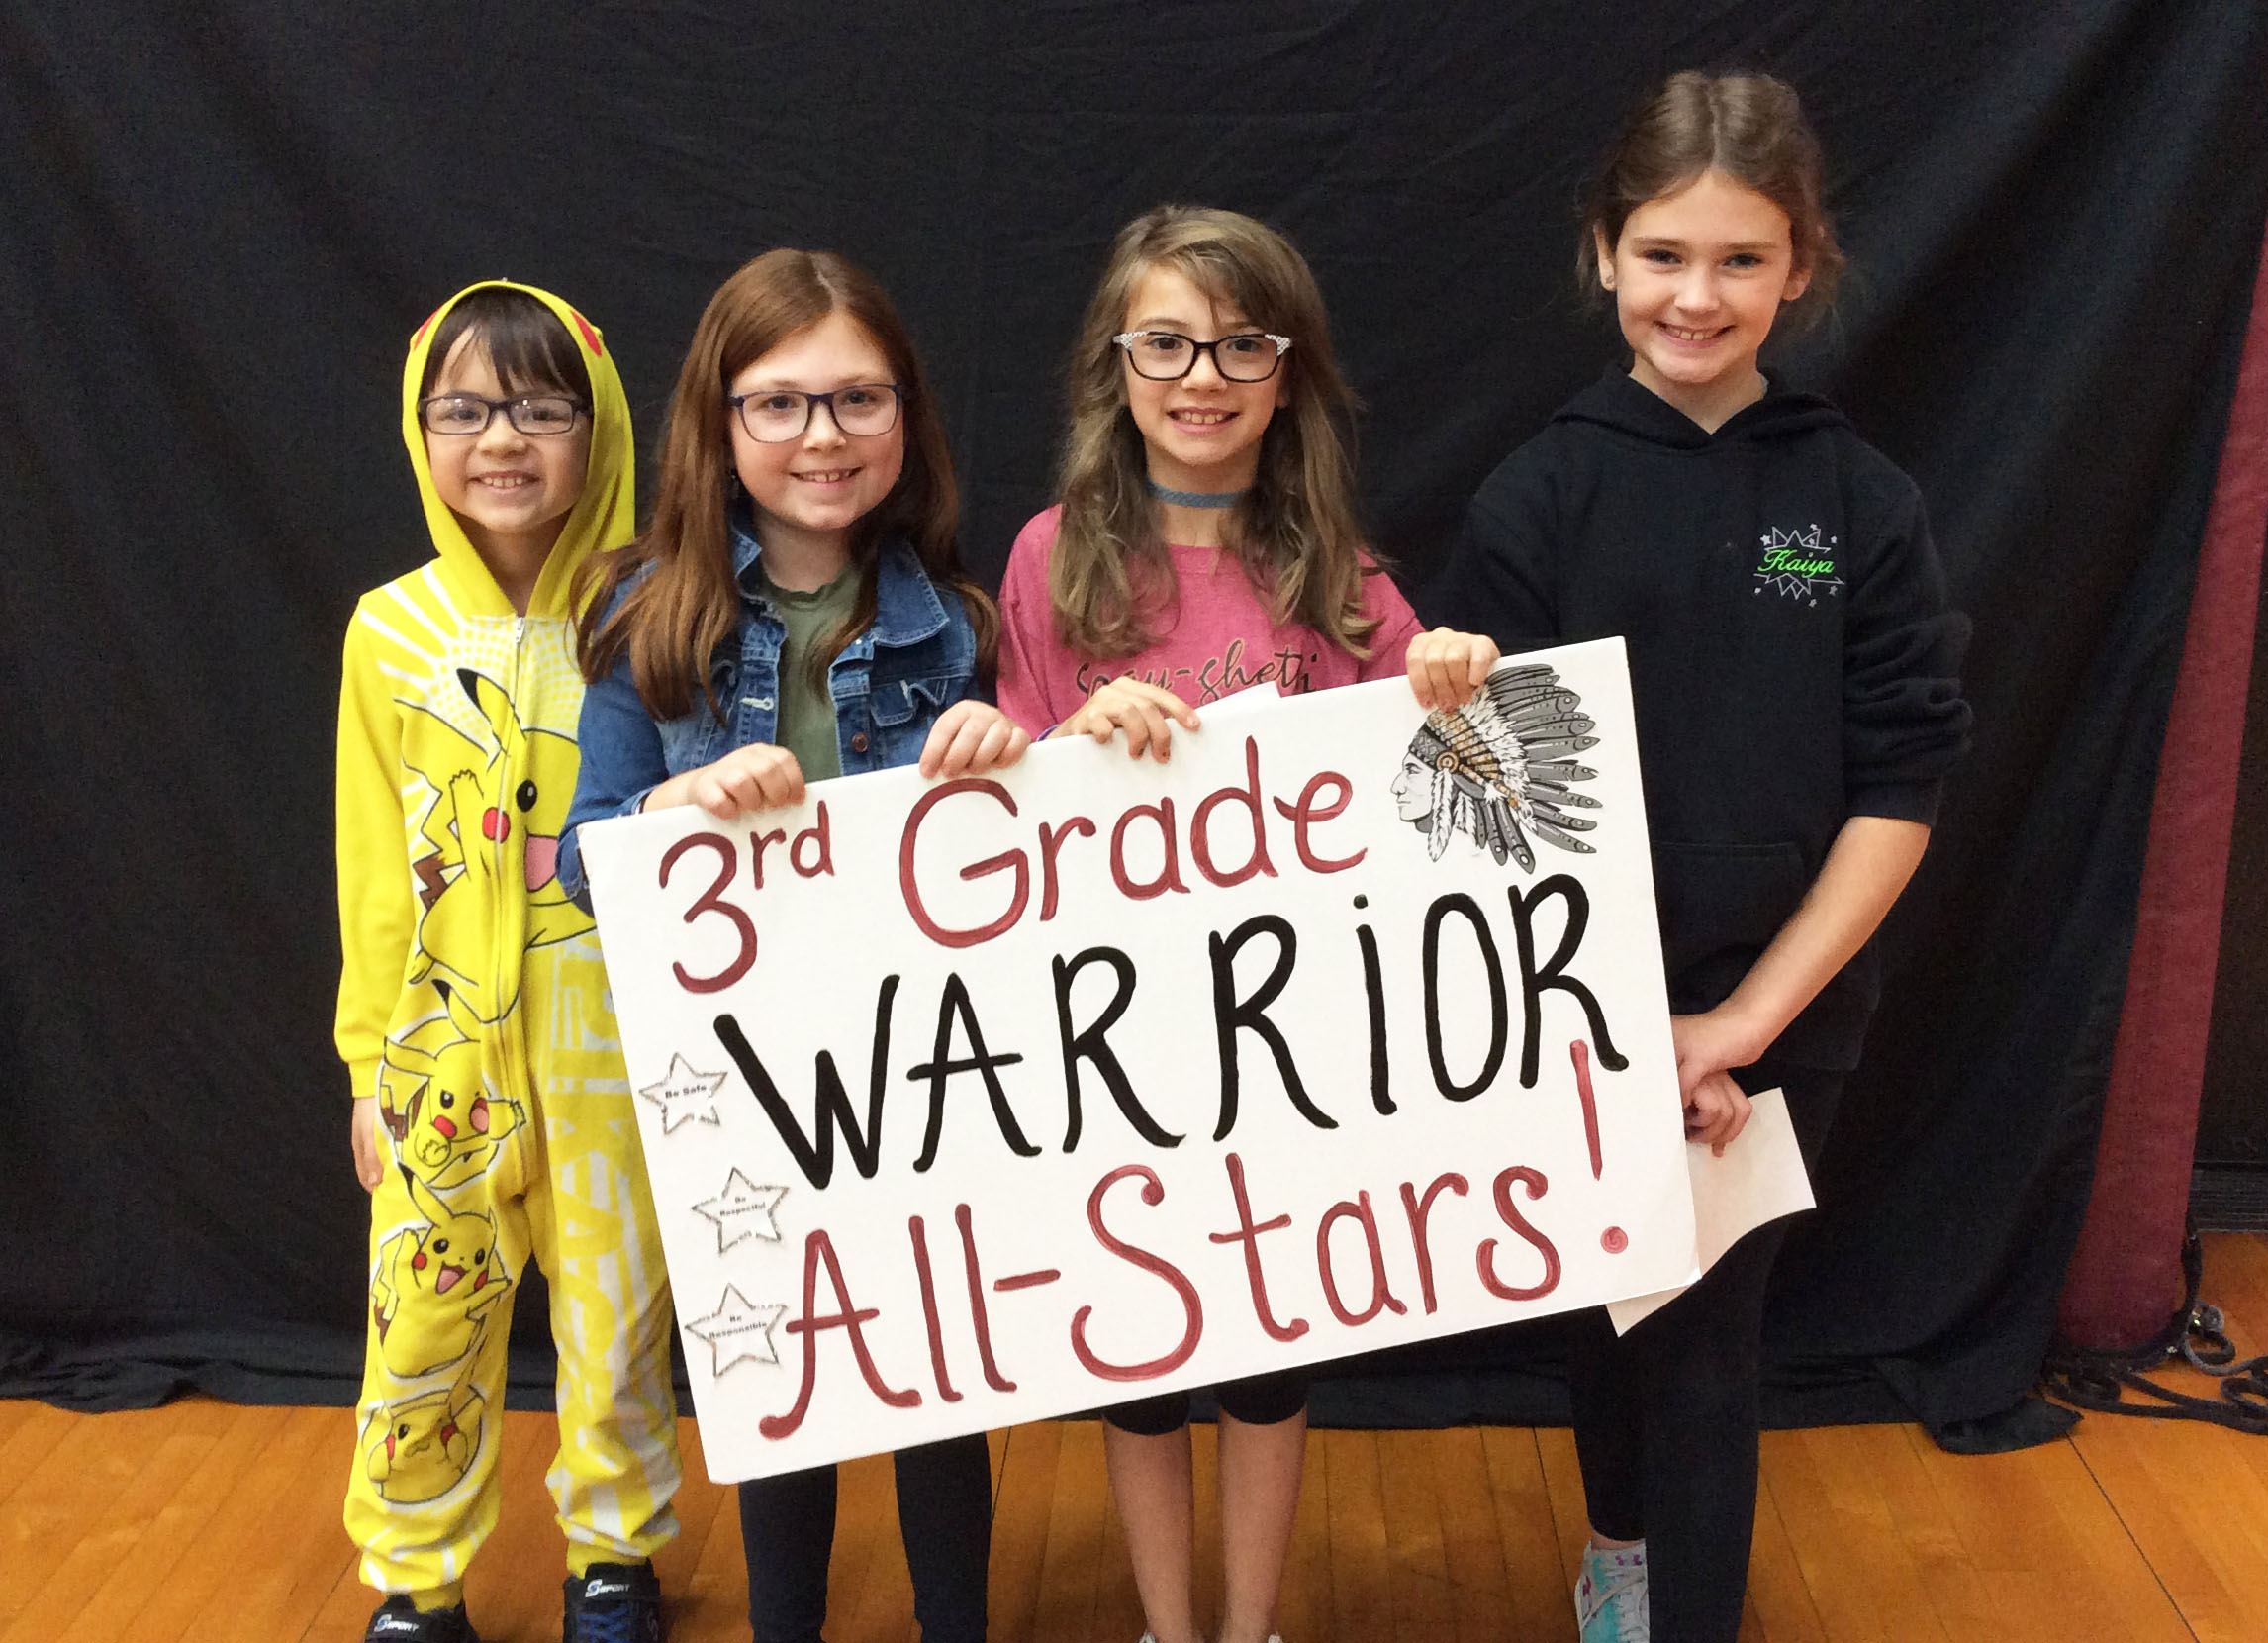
x: 473, y: 1007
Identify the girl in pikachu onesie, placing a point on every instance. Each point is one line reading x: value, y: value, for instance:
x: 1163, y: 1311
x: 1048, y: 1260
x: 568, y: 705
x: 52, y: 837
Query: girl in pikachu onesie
x: 492, y: 1117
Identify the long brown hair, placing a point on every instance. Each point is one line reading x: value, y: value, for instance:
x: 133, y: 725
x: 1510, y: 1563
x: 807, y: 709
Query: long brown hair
x: 1752, y: 128
x: 673, y: 622
x: 1295, y: 531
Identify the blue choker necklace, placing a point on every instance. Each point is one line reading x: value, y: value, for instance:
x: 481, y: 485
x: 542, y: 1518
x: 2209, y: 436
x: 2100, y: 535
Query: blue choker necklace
x: 1194, y: 499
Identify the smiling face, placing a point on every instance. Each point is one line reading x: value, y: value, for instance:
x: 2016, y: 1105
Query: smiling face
x: 511, y: 491
x: 451, y: 1255
x: 1202, y: 431
x: 810, y: 491
x: 1698, y: 277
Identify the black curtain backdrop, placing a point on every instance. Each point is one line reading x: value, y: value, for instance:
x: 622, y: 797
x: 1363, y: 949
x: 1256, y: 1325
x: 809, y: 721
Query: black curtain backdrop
x: 219, y: 226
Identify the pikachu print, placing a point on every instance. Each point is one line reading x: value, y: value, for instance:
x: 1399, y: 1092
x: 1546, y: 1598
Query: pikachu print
x: 435, y: 1284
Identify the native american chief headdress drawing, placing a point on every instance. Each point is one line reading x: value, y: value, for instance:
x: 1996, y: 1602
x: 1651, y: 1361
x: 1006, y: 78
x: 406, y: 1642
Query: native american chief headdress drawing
x: 1498, y: 768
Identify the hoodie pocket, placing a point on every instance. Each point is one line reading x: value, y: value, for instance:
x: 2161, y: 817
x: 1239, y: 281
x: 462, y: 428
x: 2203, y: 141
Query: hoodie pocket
x: 1721, y: 904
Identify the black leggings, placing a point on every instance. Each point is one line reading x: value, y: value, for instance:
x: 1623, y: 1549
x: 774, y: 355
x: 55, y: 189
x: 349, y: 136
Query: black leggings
x: 944, y: 1514
x: 1666, y: 1416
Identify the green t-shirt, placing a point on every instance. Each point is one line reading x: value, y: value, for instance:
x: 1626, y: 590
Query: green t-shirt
x: 806, y: 726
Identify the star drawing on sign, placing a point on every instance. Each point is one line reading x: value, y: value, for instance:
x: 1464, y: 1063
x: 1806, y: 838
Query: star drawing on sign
x: 738, y: 1332
x: 741, y: 1211
x: 684, y: 1096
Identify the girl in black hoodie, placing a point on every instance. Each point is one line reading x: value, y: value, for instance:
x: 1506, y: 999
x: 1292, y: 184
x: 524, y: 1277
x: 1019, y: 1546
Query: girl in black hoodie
x: 1793, y: 666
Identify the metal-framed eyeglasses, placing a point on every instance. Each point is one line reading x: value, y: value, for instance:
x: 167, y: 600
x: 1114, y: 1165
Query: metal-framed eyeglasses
x: 777, y: 415
x: 1167, y: 355
x: 536, y: 415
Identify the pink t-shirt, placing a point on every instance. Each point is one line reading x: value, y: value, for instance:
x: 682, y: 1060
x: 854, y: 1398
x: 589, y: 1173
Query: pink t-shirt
x: 1221, y: 640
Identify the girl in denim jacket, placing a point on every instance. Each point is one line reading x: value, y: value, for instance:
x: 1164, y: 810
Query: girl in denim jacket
x: 796, y: 610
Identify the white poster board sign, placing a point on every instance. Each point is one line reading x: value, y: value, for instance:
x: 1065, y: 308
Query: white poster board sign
x: 973, y: 1102
x: 1758, y: 1178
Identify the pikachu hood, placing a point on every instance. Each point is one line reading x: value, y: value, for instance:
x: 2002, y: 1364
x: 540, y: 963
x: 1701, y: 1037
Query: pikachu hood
x: 456, y: 763
x: 601, y: 518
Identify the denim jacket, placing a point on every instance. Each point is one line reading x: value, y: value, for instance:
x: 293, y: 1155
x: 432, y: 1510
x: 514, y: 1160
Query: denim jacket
x: 888, y: 686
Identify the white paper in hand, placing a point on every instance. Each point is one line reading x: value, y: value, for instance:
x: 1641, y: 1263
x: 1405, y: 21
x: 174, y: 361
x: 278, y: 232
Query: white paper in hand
x: 1760, y: 1179
x: 1242, y: 701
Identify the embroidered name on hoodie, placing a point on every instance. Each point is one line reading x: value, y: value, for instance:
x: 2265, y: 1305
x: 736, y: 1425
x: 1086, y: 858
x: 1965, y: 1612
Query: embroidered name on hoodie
x: 1796, y: 566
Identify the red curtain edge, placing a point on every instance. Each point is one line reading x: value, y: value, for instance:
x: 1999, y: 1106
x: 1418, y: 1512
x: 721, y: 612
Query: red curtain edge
x: 2125, y: 1278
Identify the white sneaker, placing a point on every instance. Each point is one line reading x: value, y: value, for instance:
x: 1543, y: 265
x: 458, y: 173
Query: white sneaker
x: 1610, y: 1597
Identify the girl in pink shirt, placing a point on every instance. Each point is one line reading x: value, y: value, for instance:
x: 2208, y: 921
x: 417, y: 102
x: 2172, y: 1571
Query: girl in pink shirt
x: 1207, y: 541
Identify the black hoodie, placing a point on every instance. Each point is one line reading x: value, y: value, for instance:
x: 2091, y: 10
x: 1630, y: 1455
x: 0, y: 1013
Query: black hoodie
x: 1792, y: 660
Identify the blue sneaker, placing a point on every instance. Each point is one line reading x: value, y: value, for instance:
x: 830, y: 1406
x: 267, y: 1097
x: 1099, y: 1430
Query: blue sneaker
x: 614, y: 1602
x: 1610, y: 1597
x: 396, y: 1620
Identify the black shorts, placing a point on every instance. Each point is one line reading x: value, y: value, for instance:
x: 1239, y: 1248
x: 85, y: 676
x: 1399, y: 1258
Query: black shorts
x: 1256, y: 1400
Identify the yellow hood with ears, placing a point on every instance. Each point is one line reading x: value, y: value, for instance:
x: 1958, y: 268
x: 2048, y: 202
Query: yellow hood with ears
x: 604, y: 517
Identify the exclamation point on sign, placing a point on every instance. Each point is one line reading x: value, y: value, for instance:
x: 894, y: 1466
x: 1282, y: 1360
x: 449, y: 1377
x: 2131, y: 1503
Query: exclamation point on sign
x: 1614, y: 1240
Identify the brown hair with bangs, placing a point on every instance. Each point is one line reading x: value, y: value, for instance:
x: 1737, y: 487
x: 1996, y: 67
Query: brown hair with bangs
x: 673, y: 621
x: 1295, y: 531
x: 1750, y: 127
x: 526, y: 343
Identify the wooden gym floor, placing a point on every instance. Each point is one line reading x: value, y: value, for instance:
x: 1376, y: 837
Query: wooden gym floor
x: 210, y: 1523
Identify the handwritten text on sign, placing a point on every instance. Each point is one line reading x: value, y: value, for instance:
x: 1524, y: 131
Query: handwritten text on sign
x: 976, y: 1101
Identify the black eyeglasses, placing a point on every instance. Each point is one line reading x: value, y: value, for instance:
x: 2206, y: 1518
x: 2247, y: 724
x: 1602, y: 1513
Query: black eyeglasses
x: 535, y: 414
x: 1167, y: 355
x: 777, y: 415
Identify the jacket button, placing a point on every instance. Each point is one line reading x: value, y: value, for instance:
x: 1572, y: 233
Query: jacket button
x: 858, y: 742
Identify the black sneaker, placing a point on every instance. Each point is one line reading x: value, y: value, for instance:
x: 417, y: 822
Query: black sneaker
x: 396, y: 1620
x: 616, y: 1603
